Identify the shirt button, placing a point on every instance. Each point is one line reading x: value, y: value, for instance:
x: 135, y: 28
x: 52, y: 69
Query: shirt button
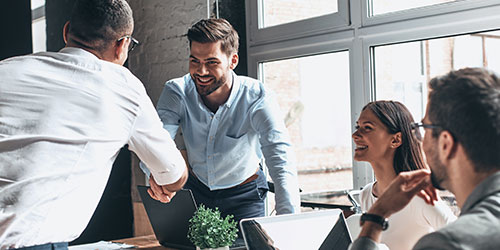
x: 209, y: 157
x: 211, y: 138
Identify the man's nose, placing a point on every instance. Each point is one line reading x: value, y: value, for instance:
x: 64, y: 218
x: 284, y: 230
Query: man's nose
x: 202, y: 69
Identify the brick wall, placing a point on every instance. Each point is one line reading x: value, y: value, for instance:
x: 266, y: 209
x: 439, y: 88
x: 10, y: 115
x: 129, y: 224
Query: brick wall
x: 160, y: 27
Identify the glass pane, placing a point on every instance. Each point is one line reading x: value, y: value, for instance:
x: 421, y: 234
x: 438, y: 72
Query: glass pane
x: 277, y: 12
x: 385, y: 6
x: 37, y: 3
x: 39, y: 35
x: 38, y: 26
x: 402, y: 71
x: 314, y: 94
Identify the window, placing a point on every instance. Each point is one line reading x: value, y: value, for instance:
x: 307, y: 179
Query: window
x: 403, y: 70
x: 274, y: 20
x: 378, y: 7
x: 38, y: 25
x: 308, y: 90
x: 383, y: 49
x: 277, y: 12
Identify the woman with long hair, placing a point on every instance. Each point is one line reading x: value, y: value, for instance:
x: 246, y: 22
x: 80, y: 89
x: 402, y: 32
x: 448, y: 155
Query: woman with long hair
x: 385, y: 139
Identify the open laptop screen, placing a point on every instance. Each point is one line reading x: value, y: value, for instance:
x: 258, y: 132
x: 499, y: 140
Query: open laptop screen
x: 323, y: 229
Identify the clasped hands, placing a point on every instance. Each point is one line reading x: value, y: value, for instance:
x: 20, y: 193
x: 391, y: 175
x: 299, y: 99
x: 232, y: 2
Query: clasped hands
x: 158, y: 192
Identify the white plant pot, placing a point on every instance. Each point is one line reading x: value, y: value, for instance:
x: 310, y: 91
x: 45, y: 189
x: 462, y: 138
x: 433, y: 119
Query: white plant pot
x: 219, y: 248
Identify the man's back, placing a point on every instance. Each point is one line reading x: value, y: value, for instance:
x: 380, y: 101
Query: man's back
x: 63, y: 118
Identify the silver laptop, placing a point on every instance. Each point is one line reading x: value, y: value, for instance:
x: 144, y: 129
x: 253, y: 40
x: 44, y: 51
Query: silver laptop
x: 324, y: 229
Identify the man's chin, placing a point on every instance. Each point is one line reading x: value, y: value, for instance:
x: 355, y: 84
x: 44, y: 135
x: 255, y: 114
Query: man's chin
x: 435, y: 182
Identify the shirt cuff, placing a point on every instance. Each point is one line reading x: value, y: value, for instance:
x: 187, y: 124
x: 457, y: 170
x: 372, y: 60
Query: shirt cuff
x: 168, y: 176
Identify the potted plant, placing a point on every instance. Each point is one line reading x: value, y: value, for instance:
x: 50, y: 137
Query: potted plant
x: 207, y: 229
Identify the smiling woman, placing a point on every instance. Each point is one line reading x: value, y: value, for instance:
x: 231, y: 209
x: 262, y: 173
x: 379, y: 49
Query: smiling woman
x: 384, y: 137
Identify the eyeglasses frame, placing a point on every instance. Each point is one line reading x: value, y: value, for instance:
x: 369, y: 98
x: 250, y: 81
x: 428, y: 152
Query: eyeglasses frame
x: 416, y: 125
x: 133, y: 42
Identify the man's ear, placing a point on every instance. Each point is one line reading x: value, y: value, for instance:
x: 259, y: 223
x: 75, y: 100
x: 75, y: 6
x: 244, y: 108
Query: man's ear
x: 65, y: 32
x: 447, y: 146
x: 233, y: 61
x: 396, y: 140
x: 121, y: 50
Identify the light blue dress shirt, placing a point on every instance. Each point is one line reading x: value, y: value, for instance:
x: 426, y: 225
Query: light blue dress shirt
x: 225, y: 148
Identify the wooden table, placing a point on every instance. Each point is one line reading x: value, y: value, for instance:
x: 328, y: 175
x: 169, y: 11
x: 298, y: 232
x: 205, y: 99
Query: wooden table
x: 143, y: 242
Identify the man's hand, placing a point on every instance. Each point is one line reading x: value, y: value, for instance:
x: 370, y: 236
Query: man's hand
x: 399, y: 193
x: 159, y: 193
x: 402, y: 190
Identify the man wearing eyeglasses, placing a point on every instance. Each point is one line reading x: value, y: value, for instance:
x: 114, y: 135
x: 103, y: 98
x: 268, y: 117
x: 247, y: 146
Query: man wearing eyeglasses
x: 63, y: 118
x: 462, y: 144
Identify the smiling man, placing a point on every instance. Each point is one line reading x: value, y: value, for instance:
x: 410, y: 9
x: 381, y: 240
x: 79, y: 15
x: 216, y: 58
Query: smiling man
x: 462, y: 145
x: 228, y: 123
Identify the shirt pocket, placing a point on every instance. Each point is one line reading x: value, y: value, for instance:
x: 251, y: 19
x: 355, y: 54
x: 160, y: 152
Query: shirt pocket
x: 235, y: 147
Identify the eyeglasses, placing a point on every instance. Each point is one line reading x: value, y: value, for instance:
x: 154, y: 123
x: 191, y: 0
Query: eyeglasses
x: 133, y: 42
x: 418, y: 129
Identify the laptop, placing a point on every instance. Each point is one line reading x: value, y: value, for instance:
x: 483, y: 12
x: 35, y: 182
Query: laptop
x: 170, y: 221
x: 325, y: 229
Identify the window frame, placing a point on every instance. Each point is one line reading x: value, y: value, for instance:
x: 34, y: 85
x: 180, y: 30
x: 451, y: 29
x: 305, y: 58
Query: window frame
x: 359, y: 34
x: 301, y: 28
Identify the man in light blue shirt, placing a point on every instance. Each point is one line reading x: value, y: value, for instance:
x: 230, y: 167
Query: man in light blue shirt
x: 229, y: 123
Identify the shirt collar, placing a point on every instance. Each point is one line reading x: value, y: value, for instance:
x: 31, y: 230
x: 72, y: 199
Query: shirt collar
x: 487, y: 187
x: 78, y: 51
x: 234, y: 90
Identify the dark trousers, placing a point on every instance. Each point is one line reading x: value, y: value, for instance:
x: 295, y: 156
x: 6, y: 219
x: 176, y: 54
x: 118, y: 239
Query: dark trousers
x: 49, y: 246
x: 242, y: 201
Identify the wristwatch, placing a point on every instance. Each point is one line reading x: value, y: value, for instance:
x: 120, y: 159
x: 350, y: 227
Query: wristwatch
x: 383, y: 222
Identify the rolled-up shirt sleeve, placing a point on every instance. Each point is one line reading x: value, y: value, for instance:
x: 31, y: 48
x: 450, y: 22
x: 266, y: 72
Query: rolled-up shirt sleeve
x: 155, y: 147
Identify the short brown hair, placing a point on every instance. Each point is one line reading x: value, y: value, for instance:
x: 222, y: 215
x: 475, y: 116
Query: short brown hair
x: 213, y: 30
x: 466, y: 103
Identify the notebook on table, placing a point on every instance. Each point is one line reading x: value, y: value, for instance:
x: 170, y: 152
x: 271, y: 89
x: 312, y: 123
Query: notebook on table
x: 325, y: 229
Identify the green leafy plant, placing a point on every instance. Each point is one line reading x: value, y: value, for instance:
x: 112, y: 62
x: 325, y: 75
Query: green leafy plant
x: 207, y: 229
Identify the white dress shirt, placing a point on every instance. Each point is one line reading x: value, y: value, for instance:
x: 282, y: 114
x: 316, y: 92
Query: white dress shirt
x: 63, y: 118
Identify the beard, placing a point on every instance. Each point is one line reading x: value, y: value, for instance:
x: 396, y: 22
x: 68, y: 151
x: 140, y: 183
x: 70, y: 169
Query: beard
x: 438, y: 170
x: 205, y: 90
x: 436, y: 183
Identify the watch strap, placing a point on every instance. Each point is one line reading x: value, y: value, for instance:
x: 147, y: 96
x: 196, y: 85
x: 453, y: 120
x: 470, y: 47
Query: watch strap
x: 375, y: 218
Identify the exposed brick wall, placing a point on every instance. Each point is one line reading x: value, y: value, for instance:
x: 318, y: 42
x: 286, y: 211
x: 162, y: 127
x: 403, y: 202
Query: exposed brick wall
x: 160, y: 27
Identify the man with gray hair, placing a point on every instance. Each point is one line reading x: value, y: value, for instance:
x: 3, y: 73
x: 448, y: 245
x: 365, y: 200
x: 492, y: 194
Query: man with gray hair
x: 63, y: 118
